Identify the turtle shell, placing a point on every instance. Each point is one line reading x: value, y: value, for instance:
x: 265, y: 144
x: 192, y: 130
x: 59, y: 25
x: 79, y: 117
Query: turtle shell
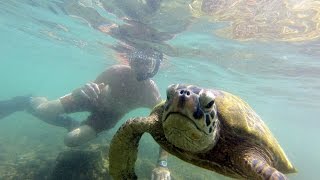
x: 239, y: 119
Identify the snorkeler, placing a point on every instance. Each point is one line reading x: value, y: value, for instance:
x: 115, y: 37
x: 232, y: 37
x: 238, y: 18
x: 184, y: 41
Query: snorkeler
x: 115, y: 92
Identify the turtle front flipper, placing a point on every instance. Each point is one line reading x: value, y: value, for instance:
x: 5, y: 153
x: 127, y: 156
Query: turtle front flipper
x: 124, y: 147
x: 260, y: 169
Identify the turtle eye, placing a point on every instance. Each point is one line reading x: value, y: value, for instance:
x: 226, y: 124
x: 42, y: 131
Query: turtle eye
x: 210, y: 104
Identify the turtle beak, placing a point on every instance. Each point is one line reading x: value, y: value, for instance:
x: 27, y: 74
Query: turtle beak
x: 184, y: 96
x: 181, y: 102
x: 185, y: 101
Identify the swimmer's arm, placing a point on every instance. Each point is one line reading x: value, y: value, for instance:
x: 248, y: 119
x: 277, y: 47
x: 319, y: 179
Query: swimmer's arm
x: 51, y: 112
x: 43, y: 108
x: 161, y: 171
x: 54, y: 111
x: 81, y: 99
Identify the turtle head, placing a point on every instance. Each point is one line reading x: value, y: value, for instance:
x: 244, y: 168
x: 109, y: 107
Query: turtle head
x: 190, y: 119
x: 145, y: 63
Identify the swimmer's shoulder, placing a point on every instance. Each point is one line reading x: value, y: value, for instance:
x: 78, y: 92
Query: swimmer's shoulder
x: 118, y: 69
x: 113, y: 71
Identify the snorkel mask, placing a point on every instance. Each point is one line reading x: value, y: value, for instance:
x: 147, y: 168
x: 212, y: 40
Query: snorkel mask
x: 145, y: 63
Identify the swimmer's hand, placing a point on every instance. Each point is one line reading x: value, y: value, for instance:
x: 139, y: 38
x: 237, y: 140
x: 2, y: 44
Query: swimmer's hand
x: 161, y: 173
x: 89, y: 92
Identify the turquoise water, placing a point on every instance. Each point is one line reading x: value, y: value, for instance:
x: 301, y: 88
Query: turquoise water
x: 49, y: 54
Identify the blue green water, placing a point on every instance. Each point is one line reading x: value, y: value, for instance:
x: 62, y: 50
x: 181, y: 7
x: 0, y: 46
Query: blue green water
x: 50, y: 54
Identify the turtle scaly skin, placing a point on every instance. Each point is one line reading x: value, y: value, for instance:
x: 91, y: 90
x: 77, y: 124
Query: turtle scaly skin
x: 208, y: 128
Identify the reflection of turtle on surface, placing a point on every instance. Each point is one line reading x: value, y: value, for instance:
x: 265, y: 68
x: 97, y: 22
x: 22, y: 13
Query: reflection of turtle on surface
x: 208, y: 128
x: 171, y: 16
x: 140, y: 36
x: 148, y: 23
x: 140, y: 24
x: 263, y: 19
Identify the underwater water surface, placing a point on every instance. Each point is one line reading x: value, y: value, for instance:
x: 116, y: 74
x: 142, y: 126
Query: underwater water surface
x: 47, y: 52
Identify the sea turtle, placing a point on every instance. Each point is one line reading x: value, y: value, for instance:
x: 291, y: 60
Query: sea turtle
x: 209, y: 128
